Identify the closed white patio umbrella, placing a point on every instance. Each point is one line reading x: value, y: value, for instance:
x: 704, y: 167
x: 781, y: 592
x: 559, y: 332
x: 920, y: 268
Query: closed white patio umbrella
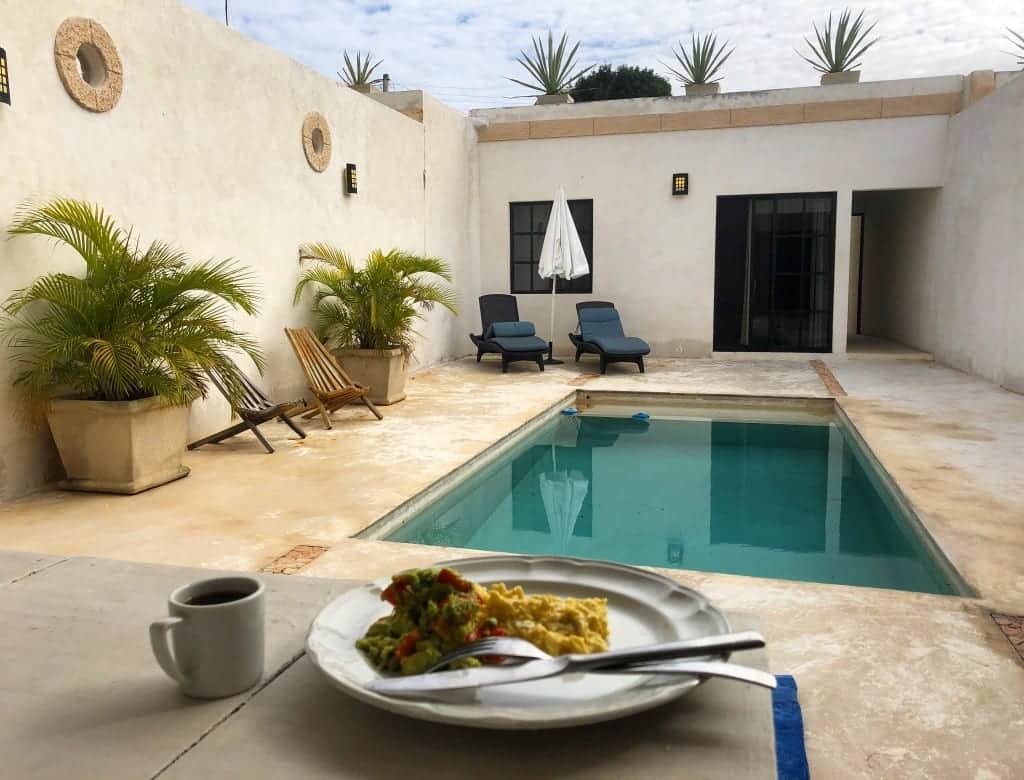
x: 561, y: 257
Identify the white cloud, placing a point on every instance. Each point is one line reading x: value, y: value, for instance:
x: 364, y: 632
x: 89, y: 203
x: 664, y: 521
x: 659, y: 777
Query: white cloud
x: 462, y: 51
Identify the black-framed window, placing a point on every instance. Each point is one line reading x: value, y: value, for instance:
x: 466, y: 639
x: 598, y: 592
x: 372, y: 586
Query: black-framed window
x: 527, y: 223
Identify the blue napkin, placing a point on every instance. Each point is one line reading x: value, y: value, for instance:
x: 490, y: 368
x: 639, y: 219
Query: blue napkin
x: 790, y: 754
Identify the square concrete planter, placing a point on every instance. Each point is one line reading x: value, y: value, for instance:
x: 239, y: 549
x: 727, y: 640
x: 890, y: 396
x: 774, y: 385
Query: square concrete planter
x: 119, y: 446
x: 702, y: 90
x: 383, y: 371
x: 842, y: 77
x: 554, y: 100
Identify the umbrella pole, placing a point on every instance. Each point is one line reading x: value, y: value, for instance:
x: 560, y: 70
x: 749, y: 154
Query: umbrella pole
x: 551, y: 344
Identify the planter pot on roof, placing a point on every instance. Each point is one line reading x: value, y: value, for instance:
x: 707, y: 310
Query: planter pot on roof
x: 842, y: 77
x: 119, y: 446
x: 702, y: 90
x: 554, y: 100
x: 383, y: 371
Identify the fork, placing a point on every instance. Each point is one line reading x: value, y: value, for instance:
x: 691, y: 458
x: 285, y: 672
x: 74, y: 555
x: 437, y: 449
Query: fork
x: 512, y: 647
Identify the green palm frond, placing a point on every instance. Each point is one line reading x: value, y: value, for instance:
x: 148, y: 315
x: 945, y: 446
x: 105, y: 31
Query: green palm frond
x: 703, y: 61
x: 1016, y: 40
x: 375, y: 306
x: 139, y: 323
x: 843, y: 51
x: 552, y: 69
x: 360, y: 72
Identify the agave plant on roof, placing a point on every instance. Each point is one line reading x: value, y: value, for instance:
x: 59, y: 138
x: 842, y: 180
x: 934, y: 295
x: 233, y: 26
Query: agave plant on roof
x: 552, y: 68
x: 842, y: 50
x: 359, y: 74
x: 702, y: 63
x: 1017, y: 41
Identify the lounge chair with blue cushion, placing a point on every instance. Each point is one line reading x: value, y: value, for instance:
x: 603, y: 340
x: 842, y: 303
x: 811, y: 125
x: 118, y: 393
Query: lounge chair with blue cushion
x: 601, y: 334
x: 504, y: 334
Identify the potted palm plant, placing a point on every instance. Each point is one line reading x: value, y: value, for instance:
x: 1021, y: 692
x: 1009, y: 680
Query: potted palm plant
x: 358, y: 75
x: 367, y: 314
x: 115, y: 357
x: 552, y: 69
x: 699, y: 67
x: 838, y: 57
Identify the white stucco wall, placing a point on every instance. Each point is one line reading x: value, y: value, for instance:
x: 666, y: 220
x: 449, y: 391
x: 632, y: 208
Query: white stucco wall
x: 902, y: 234
x: 654, y: 253
x: 944, y: 269
x: 979, y: 287
x: 204, y: 151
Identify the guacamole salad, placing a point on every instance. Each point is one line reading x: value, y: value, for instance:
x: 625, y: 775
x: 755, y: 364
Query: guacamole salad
x: 435, y: 611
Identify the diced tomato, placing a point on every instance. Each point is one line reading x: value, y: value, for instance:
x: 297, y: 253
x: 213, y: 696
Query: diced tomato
x: 448, y: 577
x: 393, y: 593
x: 407, y: 644
x: 473, y: 635
x: 440, y: 627
x: 496, y: 631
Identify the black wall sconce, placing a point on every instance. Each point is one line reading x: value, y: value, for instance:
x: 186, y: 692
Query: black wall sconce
x: 680, y: 184
x: 5, y: 82
x: 351, y: 179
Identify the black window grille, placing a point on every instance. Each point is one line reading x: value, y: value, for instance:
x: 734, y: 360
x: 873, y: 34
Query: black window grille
x: 527, y: 223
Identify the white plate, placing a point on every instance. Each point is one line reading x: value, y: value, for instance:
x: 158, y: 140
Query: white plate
x: 642, y: 608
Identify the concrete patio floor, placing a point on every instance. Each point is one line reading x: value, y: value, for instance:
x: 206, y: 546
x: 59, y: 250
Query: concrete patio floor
x: 894, y: 684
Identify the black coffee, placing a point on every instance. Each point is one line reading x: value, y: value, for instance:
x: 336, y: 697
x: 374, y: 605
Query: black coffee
x: 216, y: 597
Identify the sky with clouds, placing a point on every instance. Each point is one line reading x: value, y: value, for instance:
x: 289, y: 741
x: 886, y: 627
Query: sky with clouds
x: 461, y: 51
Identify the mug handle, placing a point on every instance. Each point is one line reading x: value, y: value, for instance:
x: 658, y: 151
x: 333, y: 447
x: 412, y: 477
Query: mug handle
x: 158, y: 631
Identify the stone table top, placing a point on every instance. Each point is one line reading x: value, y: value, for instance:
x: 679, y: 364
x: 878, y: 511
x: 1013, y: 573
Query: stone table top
x: 84, y: 698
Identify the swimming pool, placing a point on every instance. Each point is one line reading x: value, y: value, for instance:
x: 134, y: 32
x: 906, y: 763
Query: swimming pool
x: 788, y: 500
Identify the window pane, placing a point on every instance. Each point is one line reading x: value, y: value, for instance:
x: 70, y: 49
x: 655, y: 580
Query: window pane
x: 539, y: 222
x: 538, y: 246
x: 788, y: 254
x: 787, y: 292
x: 540, y: 284
x: 582, y: 212
x: 822, y: 292
x: 820, y: 259
x: 520, y: 217
x: 522, y: 247
x: 522, y: 277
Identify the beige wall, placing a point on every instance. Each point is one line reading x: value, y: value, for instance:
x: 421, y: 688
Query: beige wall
x: 204, y: 151
x: 903, y: 233
x: 944, y: 269
x: 654, y: 253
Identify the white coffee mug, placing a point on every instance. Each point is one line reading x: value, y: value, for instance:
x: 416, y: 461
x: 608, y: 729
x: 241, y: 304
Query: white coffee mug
x: 216, y: 631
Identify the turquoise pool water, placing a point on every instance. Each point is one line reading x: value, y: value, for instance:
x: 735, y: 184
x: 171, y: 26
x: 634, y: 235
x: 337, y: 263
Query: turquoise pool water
x: 795, y: 502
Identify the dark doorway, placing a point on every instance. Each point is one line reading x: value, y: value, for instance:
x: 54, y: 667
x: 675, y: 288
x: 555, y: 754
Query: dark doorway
x: 774, y: 258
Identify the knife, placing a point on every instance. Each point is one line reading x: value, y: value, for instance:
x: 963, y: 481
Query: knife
x: 539, y: 670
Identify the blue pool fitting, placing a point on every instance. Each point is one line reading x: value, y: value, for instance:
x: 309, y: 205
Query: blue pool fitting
x: 570, y: 410
x: 641, y: 416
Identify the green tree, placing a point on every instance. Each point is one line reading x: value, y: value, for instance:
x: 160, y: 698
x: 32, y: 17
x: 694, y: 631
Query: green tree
x: 625, y: 81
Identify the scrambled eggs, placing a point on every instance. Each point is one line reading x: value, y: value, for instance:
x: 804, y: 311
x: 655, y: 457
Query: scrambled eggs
x: 438, y: 610
x: 556, y: 625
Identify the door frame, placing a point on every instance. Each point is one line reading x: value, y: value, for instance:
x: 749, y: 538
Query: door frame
x: 833, y: 195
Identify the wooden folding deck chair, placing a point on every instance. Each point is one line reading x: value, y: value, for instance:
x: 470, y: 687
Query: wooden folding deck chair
x: 332, y: 387
x: 254, y: 409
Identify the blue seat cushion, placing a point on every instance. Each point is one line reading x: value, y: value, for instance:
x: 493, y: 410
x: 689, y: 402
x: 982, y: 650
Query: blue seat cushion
x: 510, y: 329
x: 520, y: 343
x: 621, y: 345
x: 600, y: 322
